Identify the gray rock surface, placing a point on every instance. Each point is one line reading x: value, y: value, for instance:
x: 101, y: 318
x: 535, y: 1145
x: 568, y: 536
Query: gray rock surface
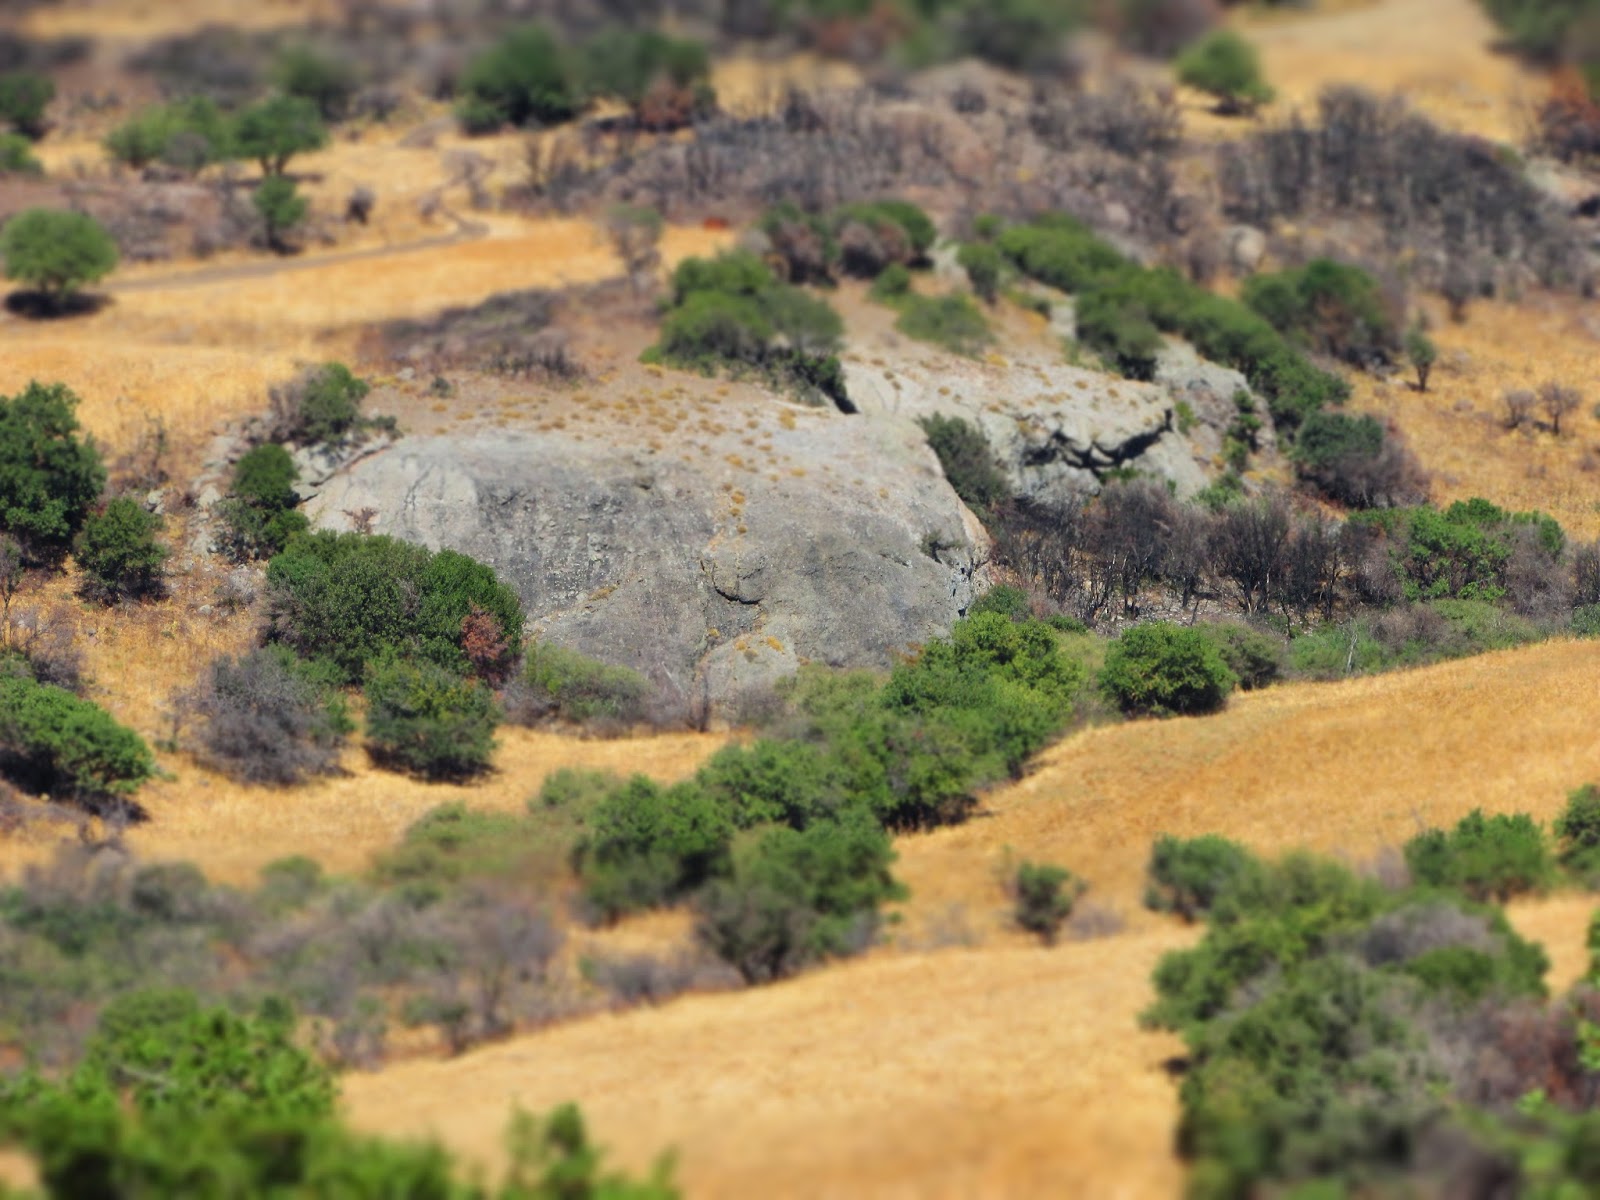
x: 710, y: 571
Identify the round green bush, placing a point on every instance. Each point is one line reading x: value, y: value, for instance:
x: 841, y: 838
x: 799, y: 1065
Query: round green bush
x: 56, y: 252
x: 1164, y: 670
x: 429, y: 721
x: 118, y: 552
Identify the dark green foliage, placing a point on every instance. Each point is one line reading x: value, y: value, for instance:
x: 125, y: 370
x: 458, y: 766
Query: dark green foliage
x: 1125, y: 302
x: 575, y: 687
x: 1328, y: 439
x: 275, y: 130
x: 118, y: 553
x: 56, y: 252
x: 271, y: 718
x: 969, y: 464
x: 952, y: 321
x: 1163, y: 670
x: 322, y: 79
x: 281, y: 207
x: 893, y: 286
x: 322, y: 406
x: 1045, y: 895
x: 1255, y: 658
x: 1190, y: 876
x: 260, y: 514
x: 1227, y: 67
x: 1464, y: 551
x: 898, y: 232
x: 631, y: 64
x: 1004, y: 599
x: 1578, y: 828
x: 1487, y: 857
x: 54, y: 743
x: 1333, y: 308
x: 190, y: 134
x: 984, y: 265
x: 428, y: 720
x: 1017, y: 35
x: 49, y: 480
x: 352, y: 599
x: 524, y: 80
x: 16, y: 156
x: 648, y: 845
x: 797, y: 897
x: 731, y: 313
x: 24, y: 96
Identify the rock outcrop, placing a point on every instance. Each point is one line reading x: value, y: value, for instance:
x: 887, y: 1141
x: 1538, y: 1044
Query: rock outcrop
x: 711, y: 567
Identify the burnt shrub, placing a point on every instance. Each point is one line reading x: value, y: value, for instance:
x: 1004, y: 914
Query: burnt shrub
x: 1044, y: 896
x: 428, y: 720
x: 268, y: 717
x: 352, y: 599
x: 118, y: 553
x: 1487, y: 857
x: 1163, y: 670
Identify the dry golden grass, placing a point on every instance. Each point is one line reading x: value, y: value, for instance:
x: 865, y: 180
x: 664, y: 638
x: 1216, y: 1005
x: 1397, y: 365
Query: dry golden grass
x: 138, y: 20
x: 1455, y: 427
x: 1010, y: 1072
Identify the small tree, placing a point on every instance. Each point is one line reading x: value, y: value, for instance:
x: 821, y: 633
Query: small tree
x: 1045, y: 895
x: 282, y: 207
x: 24, y: 96
x: 48, y: 478
x: 523, y: 80
x: 1422, y: 354
x: 1226, y: 66
x: 1556, y: 400
x: 276, y: 130
x: 56, y: 253
x: 430, y: 721
x: 1165, y: 670
x: 635, y: 235
x: 118, y: 553
x: 1518, y: 404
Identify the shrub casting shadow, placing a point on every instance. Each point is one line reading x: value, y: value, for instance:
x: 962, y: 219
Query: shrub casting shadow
x: 41, y: 306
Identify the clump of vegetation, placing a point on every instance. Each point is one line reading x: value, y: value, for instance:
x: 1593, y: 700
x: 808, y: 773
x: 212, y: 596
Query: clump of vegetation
x: 56, y: 253
x: 325, y: 80
x: 188, y: 134
x: 24, y: 97
x: 16, y: 156
x: 268, y: 717
x: 1331, y: 307
x: 49, y: 479
x: 118, y: 553
x: 525, y: 79
x: 1225, y: 66
x: 968, y: 462
x: 1256, y: 659
x: 352, y: 600
x: 261, y: 512
x: 952, y: 321
x: 1044, y: 895
x: 424, y: 718
x: 1161, y: 670
x: 322, y: 406
x: 562, y: 683
x: 1488, y: 857
x: 730, y: 313
x: 282, y: 208
x: 1578, y: 828
x: 1192, y: 877
x: 665, y: 81
x: 54, y: 743
x: 1353, y: 460
x: 277, y: 130
x: 1421, y: 353
x: 985, y: 267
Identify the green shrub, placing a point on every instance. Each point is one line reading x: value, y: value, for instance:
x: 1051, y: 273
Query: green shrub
x: 1487, y: 857
x: 322, y: 406
x: 425, y: 719
x: 952, y: 321
x: 1017, y: 35
x: 1586, y: 620
x: 54, y: 743
x: 190, y: 134
x: 1333, y: 308
x: 1578, y: 828
x: 575, y: 687
x: 1005, y: 599
x: 352, y: 599
x: 641, y: 66
x: 770, y: 782
x: 1227, y: 67
x: 1255, y: 658
x: 525, y: 79
x: 1163, y: 670
x: 49, y: 480
x: 1337, y: 651
x: 1421, y: 353
x: 984, y: 265
x: 1190, y: 876
x: 1044, y: 896
x: 893, y: 285
x: 324, y: 80
x: 24, y: 97
x: 1122, y: 331
x: 260, y: 514
x: 278, y: 201
x: 118, y: 553
x: 798, y: 897
x: 56, y: 252
x: 968, y: 462
x: 16, y: 156
x: 648, y: 845
x: 275, y: 130
x: 901, y: 233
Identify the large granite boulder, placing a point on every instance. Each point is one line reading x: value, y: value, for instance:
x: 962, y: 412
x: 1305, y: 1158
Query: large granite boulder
x: 712, y: 568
